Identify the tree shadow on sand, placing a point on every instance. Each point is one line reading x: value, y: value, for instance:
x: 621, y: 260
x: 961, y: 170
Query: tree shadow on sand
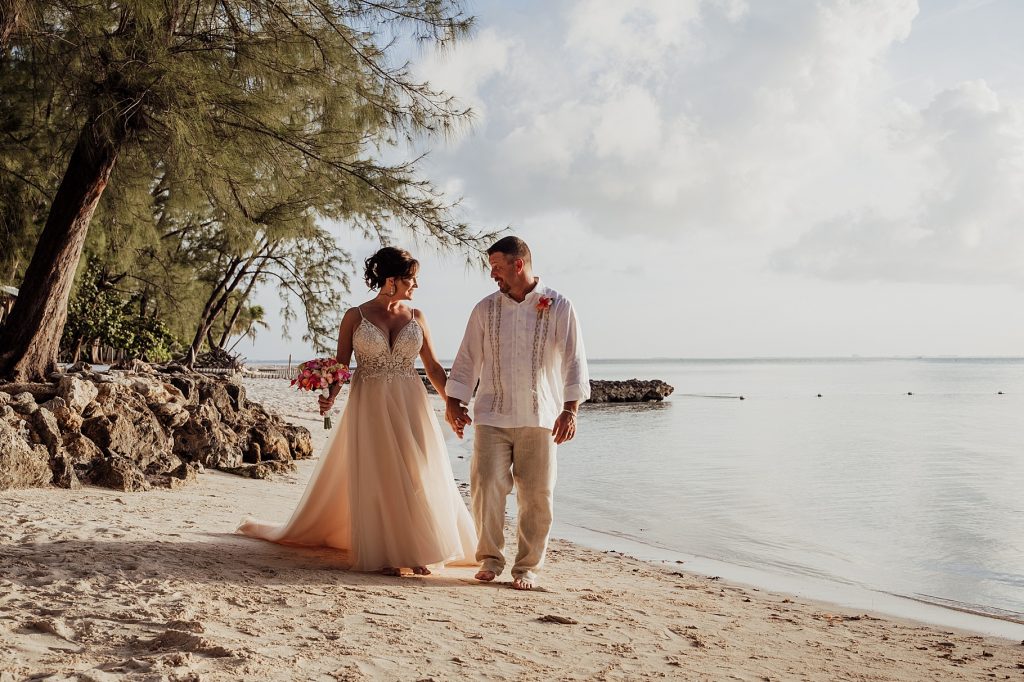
x: 222, y: 559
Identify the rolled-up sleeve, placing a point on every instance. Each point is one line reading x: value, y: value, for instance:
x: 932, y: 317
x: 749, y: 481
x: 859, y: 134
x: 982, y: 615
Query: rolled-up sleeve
x: 575, y: 375
x: 469, y: 361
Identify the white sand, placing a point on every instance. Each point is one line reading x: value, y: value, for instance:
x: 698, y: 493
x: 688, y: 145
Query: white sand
x: 98, y: 585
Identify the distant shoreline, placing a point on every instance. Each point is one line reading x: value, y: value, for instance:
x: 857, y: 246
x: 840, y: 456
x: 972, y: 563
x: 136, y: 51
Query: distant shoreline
x: 753, y: 359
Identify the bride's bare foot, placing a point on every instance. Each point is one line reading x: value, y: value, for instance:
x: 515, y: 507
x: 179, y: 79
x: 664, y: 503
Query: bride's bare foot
x: 485, y: 576
x: 421, y: 570
x: 523, y: 583
x: 392, y: 571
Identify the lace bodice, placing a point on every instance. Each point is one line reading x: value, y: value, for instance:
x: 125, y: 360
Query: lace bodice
x: 376, y: 359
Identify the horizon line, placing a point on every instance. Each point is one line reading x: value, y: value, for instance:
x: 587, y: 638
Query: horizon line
x: 744, y: 358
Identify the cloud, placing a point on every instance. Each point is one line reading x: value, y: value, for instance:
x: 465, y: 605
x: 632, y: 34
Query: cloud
x: 964, y: 226
x: 662, y: 116
x: 667, y: 117
x: 479, y: 59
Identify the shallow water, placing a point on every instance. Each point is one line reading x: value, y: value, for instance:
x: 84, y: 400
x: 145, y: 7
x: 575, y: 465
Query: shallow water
x: 866, y: 487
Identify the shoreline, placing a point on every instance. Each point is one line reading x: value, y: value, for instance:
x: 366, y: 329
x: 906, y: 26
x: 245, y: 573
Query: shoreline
x: 105, y: 585
x: 292, y: 407
x: 843, y: 595
x: 101, y: 585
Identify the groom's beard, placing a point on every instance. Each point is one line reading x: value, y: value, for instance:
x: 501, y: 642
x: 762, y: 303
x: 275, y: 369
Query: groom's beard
x: 503, y: 286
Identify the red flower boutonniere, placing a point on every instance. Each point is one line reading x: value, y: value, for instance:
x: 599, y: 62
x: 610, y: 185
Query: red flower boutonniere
x: 544, y: 303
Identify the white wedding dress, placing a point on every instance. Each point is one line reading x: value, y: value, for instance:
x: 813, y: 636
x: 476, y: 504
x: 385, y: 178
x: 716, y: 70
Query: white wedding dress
x: 383, y: 492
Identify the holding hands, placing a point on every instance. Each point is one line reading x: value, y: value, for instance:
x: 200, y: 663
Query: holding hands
x: 457, y: 416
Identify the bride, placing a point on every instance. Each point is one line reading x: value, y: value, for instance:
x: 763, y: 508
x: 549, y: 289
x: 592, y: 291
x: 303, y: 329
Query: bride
x: 383, y: 491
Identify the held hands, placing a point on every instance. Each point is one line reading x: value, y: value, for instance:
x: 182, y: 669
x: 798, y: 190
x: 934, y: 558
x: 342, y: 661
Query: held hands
x: 565, y: 426
x: 457, y: 416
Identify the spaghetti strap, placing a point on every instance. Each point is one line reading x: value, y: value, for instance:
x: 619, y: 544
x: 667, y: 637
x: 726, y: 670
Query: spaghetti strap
x: 360, y: 309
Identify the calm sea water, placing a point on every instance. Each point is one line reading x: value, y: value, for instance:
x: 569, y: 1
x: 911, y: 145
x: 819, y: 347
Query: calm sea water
x: 867, y: 489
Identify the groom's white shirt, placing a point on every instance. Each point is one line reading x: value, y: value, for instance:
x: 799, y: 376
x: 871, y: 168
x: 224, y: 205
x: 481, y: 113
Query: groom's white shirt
x: 529, y: 361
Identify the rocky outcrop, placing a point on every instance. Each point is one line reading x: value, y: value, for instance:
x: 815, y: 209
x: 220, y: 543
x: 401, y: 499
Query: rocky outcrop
x: 630, y: 391
x: 136, y: 428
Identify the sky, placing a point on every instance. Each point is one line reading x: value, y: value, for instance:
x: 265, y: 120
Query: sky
x: 731, y: 178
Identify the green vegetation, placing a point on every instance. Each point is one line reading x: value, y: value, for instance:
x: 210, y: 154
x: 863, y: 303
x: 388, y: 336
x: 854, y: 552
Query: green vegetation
x: 194, y: 150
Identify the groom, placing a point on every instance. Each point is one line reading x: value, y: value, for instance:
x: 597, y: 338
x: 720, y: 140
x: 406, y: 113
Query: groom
x: 523, y: 344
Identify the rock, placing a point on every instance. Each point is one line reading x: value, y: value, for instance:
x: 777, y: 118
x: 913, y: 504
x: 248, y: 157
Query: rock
x: 631, y: 391
x: 76, y: 392
x: 128, y: 430
x: 300, y: 440
x: 93, y: 409
x: 67, y: 419
x: 81, y: 366
x: 216, y: 393
x: 237, y: 394
x: 171, y: 415
x: 39, y: 392
x: 173, y: 368
x: 46, y: 427
x: 205, y: 439
x: 21, y: 465
x: 187, y: 387
x: 178, y: 478
x: 262, y: 470
x: 118, y: 473
x: 80, y: 449
x: 131, y: 431
x: 134, y: 366
x: 267, y: 442
x: 24, y: 403
x: 64, y: 474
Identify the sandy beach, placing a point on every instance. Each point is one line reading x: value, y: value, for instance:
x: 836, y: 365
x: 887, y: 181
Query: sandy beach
x: 101, y: 585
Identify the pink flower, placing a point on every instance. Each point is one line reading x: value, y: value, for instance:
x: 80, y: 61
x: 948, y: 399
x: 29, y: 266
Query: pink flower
x: 544, y: 303
x: 320, y: 373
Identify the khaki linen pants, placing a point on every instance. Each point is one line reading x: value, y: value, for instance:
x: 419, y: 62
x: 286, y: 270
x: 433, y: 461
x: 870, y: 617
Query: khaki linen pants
x: 503, y: 456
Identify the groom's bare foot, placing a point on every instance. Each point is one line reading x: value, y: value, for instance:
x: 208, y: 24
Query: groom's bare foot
x: 421, y: 570
x: 485, y: 576
x: 523, y: 583
x: 392, y: 571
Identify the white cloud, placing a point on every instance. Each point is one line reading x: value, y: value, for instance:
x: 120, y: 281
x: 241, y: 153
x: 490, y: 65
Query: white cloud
x: 679, y: 115
x: 479, y: 59
x: 727, y: 177
x: 965, y: 225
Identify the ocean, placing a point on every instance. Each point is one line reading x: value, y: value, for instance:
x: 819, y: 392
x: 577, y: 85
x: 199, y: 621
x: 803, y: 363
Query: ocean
x: 888, y: 484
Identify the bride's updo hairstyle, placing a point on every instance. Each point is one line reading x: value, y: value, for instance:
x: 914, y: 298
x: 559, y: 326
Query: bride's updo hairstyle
x: 389, y: 262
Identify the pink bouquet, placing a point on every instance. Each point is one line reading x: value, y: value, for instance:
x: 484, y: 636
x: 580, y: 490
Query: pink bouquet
x: 318, y: 375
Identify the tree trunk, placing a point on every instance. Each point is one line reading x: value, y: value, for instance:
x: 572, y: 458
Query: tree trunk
x: 210, y: 313
x: 10, y: 17
x: 217, y: 302
x: 230, y: 324
x: 31, y: 338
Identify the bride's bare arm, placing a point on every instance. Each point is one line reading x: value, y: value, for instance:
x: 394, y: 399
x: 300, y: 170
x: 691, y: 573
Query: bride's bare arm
x: 344, y: 354
x: 435, y: 372
x: 345, y: 331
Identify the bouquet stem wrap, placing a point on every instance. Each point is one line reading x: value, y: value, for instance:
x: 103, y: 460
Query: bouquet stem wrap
x: 326, y: 392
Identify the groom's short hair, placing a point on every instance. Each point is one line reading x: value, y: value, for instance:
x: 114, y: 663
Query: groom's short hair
x: 512, y: 246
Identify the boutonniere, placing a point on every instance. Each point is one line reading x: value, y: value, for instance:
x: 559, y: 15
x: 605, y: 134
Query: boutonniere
x: 544, y: 303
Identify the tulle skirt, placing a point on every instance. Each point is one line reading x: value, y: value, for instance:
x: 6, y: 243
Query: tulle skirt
x: 383, y: 493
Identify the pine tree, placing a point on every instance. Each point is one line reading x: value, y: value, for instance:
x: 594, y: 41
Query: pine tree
x: 221, y: 100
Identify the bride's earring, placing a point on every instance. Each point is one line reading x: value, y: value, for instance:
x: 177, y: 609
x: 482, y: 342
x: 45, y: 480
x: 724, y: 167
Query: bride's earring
x: 394, y: 290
